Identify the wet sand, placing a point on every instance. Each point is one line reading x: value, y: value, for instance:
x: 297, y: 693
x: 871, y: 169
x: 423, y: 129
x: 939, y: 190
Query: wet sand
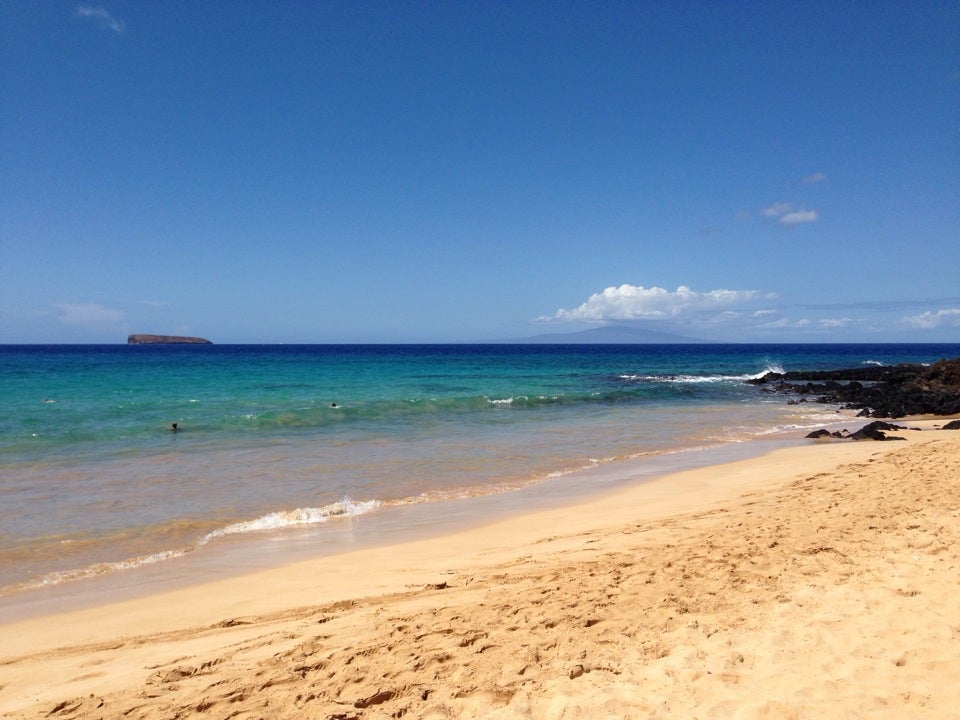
x: 816, y: 581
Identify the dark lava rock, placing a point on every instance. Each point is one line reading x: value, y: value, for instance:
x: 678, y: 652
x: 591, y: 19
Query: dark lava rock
x: 872, y: 373
x: 881, y: 392
x: 823, y: 433
x: 874, y: 431
x: 952, y: 425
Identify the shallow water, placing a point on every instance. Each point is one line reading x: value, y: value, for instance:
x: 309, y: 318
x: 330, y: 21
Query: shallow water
x: 93, y: 481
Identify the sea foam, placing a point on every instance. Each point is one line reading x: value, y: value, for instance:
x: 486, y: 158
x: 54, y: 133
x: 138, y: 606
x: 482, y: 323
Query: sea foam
x: 274, y: 521
x: 697, y: 379
x: 292, y: 518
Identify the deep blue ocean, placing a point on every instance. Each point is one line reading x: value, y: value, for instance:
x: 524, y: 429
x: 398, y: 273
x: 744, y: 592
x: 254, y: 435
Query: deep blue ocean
x: 94, y: 481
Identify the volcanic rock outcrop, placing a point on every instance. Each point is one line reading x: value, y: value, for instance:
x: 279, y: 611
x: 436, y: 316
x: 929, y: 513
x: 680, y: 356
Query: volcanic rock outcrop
x: 880, y: 392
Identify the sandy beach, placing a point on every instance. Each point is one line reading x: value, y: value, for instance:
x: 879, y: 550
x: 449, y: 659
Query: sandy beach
x: 815, y: 581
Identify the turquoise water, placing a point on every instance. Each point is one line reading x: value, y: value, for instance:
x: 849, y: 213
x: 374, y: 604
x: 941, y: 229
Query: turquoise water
x: 272, y: 437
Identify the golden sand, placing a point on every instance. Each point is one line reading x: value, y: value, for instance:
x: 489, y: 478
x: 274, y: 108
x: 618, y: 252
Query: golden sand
x: 816, y: 582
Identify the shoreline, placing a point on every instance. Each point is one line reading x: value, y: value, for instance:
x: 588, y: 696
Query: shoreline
x: 86, y: 558
x: 126, y: 639
x: 390, y: 524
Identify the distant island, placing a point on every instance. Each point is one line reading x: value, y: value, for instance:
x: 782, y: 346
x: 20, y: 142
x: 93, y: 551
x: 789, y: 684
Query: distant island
x: 141, y: 339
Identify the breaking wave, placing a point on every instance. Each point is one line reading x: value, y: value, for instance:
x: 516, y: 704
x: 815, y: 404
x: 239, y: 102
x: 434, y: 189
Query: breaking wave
x: 698, y: 379
x: 280, y: 520
x: 293, y: 518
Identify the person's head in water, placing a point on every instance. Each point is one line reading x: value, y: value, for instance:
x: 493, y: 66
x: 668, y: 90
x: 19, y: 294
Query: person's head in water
x: 173, y: 427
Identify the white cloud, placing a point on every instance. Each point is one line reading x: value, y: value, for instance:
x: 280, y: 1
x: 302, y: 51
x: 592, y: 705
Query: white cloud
x: 835, y: 322
x: 778, y: 209
x: 89, y: 315
x: 940, y: 318
x: 106, y: 20
x: 782, y: 322
x: 800, y: 216
x: 635, y: 302
x: 788, y: 215
x: 815, y: 178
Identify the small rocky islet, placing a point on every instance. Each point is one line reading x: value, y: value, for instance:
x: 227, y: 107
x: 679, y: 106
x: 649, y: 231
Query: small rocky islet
x: 146, y: 339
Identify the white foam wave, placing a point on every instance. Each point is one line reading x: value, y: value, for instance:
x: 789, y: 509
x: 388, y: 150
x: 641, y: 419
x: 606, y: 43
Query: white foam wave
x: 56, y: 578
x: 293, y: 518
x: 873, y: 362
x: 271, y: 521
x: 770, y: 368
x: 694, y: 379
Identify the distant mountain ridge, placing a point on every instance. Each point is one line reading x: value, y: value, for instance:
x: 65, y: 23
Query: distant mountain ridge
x: 613, y: 334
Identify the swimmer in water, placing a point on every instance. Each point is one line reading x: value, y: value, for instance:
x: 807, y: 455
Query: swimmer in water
x: 173, y: 427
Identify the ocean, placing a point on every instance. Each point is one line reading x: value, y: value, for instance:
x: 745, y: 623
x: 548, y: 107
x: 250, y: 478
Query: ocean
x: 278, y: 441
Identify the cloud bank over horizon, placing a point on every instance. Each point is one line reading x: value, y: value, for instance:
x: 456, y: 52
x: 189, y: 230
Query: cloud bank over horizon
x: 929, y: 320
x: 636, y: 302
x: 737, y: 315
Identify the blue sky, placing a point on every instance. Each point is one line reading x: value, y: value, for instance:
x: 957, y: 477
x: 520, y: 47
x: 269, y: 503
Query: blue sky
x: 460, y: 171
